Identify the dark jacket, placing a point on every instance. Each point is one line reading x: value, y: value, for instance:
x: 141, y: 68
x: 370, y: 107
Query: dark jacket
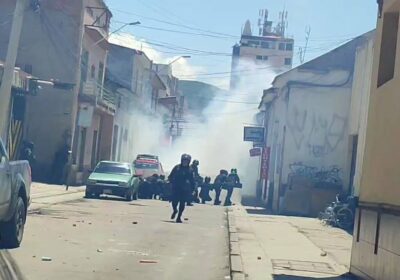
x: 233, y: 180
x: 182, y: 178
x: 219, y: 181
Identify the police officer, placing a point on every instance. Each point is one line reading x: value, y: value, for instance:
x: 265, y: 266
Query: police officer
x: 198, y: 181
x: 232, y: 181
x: 218, y: 183
x: 183, y: 184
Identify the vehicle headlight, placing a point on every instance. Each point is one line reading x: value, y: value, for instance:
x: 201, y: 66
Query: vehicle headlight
x: 91, y: 182
x: 123, y: 184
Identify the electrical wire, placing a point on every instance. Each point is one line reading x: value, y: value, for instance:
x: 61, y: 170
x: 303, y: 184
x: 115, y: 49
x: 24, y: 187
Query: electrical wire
x: 178, y: 25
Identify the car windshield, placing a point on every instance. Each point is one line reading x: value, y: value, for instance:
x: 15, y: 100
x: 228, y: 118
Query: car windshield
x: 112, y: 168
x: 146, y: 165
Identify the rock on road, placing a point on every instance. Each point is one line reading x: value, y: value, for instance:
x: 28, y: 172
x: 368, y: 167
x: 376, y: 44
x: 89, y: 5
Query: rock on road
x: 114, y: 239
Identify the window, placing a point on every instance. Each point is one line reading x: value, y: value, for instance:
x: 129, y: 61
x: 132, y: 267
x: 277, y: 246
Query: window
x: 84, y: 65
x: 265, y: 57
x: 288, y: 61
x: 28, y: 68
x: 265, y: 45
x: 92, y: 71
x: 289, y: 47
x: 388, y: 47
x: 281, y: 46
x: 268, y: 45
x: 100, y: 74
x: 259, y: 57
x: 254, y: 43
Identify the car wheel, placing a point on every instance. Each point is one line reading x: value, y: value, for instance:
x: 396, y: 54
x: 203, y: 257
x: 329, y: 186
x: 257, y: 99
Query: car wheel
x: 13, y: 230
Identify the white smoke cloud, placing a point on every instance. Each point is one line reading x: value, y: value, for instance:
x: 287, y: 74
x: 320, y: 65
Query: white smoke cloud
x: 216, y: 142
x: 180, y: 68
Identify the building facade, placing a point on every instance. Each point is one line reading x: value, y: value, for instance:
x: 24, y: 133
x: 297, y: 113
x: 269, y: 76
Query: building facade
x: 375, y: 252
x: 50, y: 48
x: 96, y: 106
x: 307, y: 118
x: 270, y: 49
x: 131, y: 77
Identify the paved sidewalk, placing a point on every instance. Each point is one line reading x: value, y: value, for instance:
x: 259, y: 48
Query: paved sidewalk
x: 285, y: 248
x: 45, y: 195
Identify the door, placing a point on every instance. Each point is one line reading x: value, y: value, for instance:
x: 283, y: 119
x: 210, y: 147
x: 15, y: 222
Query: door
x: 5, y: 181
x: 94, y: 149
x: 82, y: 146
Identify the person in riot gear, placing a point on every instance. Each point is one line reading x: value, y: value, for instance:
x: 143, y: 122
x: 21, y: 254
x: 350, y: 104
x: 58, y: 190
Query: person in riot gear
x: 218, y: 183
x: 232, y: 181
x: 205, y: 190
x: 198, y: 181
x: 182, y: 181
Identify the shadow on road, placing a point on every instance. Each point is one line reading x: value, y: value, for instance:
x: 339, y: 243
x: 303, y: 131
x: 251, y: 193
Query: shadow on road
x: 291, y: 277
x: 9, y: 269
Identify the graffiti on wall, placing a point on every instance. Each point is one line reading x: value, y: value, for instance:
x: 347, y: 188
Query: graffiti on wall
x: 320, y: 133
x: 331, y: 175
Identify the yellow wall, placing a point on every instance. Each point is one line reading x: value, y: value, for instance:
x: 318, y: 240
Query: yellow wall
x: 380, y: 182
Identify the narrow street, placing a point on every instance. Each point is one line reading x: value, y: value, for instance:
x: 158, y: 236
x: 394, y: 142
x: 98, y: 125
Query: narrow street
x: 114, y: 239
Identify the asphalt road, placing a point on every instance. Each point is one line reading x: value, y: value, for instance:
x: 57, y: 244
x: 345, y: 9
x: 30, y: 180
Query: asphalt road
x: 114, y: 239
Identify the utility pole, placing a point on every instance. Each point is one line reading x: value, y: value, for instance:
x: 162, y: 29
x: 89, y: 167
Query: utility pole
x: 9, y: 66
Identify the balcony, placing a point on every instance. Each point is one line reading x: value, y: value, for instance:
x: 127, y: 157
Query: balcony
x: 93, y: 92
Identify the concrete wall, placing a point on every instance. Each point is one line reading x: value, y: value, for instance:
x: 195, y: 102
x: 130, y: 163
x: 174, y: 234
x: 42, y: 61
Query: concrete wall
x: 380, y: 179
x: 372, y: 257
x: 359, y: 105
x: 375, y: 252
x: 50, y: 43
x: 316, y: 128
x: 308, y: 128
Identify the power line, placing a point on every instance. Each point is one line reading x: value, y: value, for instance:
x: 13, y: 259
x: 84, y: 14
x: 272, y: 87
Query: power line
x: 177, y: 24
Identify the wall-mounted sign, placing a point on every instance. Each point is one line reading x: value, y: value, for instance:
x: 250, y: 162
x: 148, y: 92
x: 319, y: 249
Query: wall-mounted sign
x: 254, y: 134
x: 255, y: 152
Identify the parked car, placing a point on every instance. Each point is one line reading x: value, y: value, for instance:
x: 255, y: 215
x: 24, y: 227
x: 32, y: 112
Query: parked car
x: 148, y: 167
x: 113, y: 178
x: 15, y: 186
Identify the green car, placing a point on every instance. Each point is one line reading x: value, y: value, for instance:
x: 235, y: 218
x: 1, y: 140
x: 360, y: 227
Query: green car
x: 113, y: 178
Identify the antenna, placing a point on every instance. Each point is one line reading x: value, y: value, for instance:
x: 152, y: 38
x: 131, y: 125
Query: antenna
x: 302, y: 51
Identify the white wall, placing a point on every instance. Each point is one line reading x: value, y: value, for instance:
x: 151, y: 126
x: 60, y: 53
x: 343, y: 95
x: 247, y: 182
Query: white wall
x: 309, y: 125
x: 360, y: 103
x: 316, y: 129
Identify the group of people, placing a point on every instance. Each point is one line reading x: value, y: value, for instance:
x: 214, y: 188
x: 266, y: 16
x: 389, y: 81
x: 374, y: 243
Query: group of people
x: 185, y: 181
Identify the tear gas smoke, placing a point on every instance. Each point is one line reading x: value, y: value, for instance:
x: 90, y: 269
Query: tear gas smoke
x: 216, y: 138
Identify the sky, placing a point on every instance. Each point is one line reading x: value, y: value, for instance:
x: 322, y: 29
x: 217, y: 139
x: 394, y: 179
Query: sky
x: 207, y: 29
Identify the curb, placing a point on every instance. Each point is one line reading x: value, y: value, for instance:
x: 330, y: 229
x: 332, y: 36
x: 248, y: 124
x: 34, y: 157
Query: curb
x: 235, y: 258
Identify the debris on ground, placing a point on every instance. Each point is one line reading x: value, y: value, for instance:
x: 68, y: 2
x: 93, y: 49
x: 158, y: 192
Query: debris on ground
x: 46, y: 259
x: 323, y: 254
x: 186, y: 219
x: 148, y: 261
x: 74, y: 225
x: 258, y: 258
x: 99, y: 250
x: 135, y: 223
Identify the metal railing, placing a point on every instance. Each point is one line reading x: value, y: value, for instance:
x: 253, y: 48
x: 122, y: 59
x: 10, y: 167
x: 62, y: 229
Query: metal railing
x: 101, y: 95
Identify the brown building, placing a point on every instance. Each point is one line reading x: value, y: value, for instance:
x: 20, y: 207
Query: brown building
x: 57, y: 42
x: 376, y: 250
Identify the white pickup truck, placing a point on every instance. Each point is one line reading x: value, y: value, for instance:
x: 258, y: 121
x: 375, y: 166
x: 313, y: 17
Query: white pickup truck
x: 15, y: 186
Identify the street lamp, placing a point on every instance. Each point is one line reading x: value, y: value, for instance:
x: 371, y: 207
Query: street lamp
x: 118, y: 29
x: 176, y: 59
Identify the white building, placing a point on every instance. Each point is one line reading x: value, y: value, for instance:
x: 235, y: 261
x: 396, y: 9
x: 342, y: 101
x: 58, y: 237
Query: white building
x: 269, y: 49
x: 307, y: 119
